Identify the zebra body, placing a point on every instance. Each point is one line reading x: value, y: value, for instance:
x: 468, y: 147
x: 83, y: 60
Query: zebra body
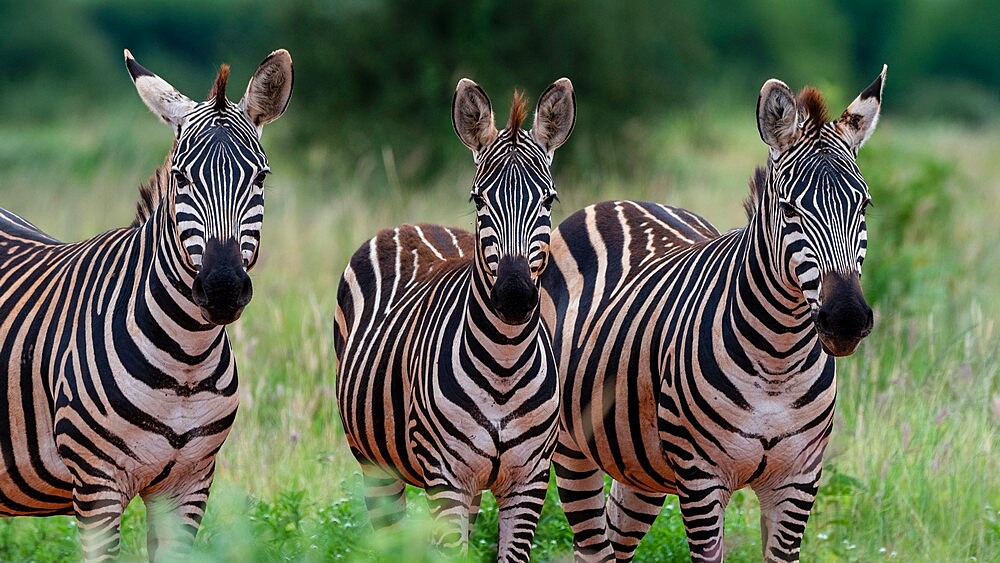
x: 696, y: 363
x: 446, y: 378
x: 106, y: 397
x: 119, y: 378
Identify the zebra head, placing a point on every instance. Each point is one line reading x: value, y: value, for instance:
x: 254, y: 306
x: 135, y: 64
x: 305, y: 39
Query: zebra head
x: 513, y: 190
x: 814, y: 200
x: 217, y: 177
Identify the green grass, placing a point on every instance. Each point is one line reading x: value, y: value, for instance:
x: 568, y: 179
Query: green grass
x: 913, y: 468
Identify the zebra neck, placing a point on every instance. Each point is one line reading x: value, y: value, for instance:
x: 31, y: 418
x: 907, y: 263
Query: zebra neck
x: 498, y: 348
x: 169, y: 324
x: 769, y: 318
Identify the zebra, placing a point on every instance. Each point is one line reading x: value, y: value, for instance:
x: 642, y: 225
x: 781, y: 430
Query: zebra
x: 696, y: 363
x: 446, y: 377
x: 119, y: 378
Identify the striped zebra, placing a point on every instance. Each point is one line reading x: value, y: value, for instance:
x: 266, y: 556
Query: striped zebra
x: 446, y: 376
x: 696, y: 363
x: 119, y: 377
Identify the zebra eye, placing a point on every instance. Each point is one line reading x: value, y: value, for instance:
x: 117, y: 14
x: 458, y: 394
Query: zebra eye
x: 550, y: 198
x: 788, y: 210
x: 867, y: 205
x: 181, y: 179
x: 259, y: 180
x: 477, y: 199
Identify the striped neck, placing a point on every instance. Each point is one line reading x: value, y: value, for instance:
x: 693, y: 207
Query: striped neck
x: 163, y: 307
x: 766, y: 313
x: 502, y: 349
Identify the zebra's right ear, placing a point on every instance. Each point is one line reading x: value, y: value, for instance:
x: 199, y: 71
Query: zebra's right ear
x: 777, y: 117
x: 472, y: 116
x: 160, y: 97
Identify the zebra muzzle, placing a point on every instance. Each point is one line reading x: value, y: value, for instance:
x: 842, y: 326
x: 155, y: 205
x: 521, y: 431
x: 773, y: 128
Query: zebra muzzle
x: 222, y: 288
x: 514, y: 294
x: 845, y: 318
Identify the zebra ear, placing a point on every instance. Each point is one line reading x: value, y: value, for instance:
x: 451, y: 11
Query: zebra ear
x: 555, y: 115
x: 270, y: 89
x: 858, y: 121
x: 160, y: 97
x: 472, y: 115
x: 777, y: 117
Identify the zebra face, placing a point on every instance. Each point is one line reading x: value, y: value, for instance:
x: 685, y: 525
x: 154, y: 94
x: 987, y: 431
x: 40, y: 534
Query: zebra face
x: 513, y: 190
x: 815, y: 199
x: 217, y: 178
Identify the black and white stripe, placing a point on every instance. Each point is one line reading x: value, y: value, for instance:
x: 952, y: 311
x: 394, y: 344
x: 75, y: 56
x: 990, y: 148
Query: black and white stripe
x: 446, y: 377
x: 116, y: 382
x: 696, y: 363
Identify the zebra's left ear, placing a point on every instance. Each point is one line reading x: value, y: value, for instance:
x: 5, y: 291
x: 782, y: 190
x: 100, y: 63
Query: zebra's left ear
x: 269, y: 89
x: 555, y: 115
x: 858, y: 121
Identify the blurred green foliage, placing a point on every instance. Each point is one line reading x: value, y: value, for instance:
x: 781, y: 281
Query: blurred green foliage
x: 378, y: 73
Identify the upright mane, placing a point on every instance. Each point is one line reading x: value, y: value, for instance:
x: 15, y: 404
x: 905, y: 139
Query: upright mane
x: 154, y: 190
x: 518, y: 111
x: 756, y: 184
x: 218, y: 92
x: 815, y: 107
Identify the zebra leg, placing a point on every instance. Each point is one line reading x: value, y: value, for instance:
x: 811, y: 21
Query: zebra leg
x: 630, y: 514
x: 385, y: 497
x: 703, y: 507
x: 784, y: 511
x: 581, y: 490
x: 474, y: 510
x: 519, y: 511
x: 173, y: 518
x: 99, y: 508
x: 449, y: 507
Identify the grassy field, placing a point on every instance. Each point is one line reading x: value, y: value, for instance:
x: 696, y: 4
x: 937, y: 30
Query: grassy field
x: 913, y: 469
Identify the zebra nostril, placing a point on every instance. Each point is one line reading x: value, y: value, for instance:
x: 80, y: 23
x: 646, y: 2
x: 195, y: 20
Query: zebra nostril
x: 823, y: 320
x: 198, y: 291
x: 246, y: 292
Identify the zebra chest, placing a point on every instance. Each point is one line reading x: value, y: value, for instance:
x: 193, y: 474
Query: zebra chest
x: 751, y: 433
x: 481, y: 433
x: 138, y: 431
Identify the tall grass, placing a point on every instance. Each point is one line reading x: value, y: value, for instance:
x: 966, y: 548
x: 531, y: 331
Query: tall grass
x: 913, y: 469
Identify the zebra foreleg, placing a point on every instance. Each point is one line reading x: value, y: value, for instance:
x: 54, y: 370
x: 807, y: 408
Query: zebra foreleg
x: 474, y: 510
x: 385, y: 497
x: 784, y: 511
x: 703, y: 507
x: 173, y: 520
x: 519, y: 511
x: 581, y: 490
x: 98, y: 508
x: 449, y: 507
x: 630, y: 513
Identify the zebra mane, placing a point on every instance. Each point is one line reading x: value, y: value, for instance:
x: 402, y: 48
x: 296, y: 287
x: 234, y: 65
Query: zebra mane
x: 518, y: 111
x: 756, y: 184
x: 815, y: 106
x: 153, y: 191
x: 218, y: 93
